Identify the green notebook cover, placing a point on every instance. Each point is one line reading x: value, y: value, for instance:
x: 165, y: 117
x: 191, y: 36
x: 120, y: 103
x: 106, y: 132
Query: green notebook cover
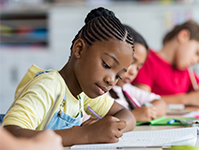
x: 152, y: 122
x: 164, y: 121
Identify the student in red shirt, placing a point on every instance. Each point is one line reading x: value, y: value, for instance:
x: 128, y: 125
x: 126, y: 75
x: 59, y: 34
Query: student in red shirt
x: 166, y: 72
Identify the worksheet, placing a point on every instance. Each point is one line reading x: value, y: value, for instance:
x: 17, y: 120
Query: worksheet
x: 157, y: 138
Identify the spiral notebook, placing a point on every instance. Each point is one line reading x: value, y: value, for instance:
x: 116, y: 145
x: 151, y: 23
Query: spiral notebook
x: 158, y: 138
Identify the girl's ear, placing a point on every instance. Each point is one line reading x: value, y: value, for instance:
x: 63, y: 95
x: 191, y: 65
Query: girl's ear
x: 78, y: 48
x: 183, y: 36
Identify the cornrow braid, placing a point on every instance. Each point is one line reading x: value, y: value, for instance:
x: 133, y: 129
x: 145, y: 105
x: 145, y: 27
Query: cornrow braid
x: 102, y: 24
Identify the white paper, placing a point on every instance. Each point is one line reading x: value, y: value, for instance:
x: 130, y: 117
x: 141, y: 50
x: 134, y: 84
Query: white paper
x: 191, y: 114
x: 176, y: 106
x: 181, y: 136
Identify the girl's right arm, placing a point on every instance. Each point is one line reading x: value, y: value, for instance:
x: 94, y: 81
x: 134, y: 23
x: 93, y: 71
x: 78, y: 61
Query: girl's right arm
x: 106, y: 130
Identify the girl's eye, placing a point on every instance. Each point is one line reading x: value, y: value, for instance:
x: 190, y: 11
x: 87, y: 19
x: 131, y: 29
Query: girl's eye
x: 117, y: 76
x: 106, y: 66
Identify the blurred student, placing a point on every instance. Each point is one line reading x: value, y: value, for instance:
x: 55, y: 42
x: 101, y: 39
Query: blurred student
x: 46, y: 140
x: 166, y: 72
x: 100, y: 54
x: 157, y: 106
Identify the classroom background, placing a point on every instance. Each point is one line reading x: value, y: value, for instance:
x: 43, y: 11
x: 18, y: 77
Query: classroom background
x: 40, y: 32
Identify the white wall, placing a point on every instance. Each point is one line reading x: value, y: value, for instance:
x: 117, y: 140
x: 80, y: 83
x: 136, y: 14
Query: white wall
x: 152, y: 21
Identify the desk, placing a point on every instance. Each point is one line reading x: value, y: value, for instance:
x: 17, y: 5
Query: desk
x: 151, y: 128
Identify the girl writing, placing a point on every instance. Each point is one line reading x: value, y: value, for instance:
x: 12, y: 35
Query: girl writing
x: 101, y: 52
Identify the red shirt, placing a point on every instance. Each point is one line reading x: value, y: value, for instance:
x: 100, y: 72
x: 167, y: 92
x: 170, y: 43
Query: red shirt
x: 162, y: 77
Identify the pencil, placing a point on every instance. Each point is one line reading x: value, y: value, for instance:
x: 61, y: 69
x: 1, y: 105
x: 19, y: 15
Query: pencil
x: 193, y: 79
x: 93, y: 112
x: 134, y: 102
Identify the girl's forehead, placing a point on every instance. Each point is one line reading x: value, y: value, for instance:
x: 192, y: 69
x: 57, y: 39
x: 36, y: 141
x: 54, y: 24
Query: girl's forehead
x: 114, y: 46
x: 119, y: 51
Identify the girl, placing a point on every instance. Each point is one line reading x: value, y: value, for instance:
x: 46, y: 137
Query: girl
x: 143, y: 113
x: 100, y: 54
x: 166, y: 72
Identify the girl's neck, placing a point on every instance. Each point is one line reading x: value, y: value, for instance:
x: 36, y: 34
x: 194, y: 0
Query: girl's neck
x: 168, y: 52
x: 68, y: 75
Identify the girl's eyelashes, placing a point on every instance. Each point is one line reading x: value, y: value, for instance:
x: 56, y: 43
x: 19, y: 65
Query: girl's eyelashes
x: 108, y: 67
x: 118, y: 77
x: 105, y: 65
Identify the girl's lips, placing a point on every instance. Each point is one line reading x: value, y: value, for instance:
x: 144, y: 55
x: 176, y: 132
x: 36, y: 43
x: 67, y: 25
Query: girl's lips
x: 100, y: 90
x: 127, y: 80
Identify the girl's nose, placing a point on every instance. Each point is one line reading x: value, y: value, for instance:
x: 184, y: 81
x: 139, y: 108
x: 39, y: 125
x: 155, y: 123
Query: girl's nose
x: 110, y: 80
x: 132, y: 70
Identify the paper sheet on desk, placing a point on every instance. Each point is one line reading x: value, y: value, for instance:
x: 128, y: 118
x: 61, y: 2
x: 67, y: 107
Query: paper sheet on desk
x: 192, y: 114
x: 181, y: 136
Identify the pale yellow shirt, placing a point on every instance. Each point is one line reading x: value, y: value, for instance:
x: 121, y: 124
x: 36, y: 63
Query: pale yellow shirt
x: 35, y: 97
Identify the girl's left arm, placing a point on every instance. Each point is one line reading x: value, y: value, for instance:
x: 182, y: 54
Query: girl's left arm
x: 122, y: 113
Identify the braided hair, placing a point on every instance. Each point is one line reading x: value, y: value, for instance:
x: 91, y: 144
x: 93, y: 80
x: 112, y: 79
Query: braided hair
x: 102, y: 24
x: 137, y: 37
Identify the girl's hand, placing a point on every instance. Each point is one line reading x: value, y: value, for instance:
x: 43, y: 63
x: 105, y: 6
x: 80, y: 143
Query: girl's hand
x: 106, y: 130
x: 144, y: 113
x: 91, y: 120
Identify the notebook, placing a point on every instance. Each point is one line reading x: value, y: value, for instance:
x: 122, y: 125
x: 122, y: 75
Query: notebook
x: 164, y: 121
x: 185, y: 121
x: 152, y: 122
x: 164, y: 138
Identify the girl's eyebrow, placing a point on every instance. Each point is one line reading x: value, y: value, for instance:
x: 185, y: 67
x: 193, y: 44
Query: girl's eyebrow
x: 112, y: 58
x: 125, y: 70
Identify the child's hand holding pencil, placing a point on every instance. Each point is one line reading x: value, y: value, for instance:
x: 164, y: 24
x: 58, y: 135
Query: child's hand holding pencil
x: 109, y: 128
x: 106, y: 130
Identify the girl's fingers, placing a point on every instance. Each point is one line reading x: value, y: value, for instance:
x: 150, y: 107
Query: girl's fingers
x: 121, y: 125
x: 153, y: 114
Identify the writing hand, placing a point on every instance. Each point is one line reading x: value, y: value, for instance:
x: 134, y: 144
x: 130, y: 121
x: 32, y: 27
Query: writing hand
x: 106, y: 130
x: 145, y: 113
